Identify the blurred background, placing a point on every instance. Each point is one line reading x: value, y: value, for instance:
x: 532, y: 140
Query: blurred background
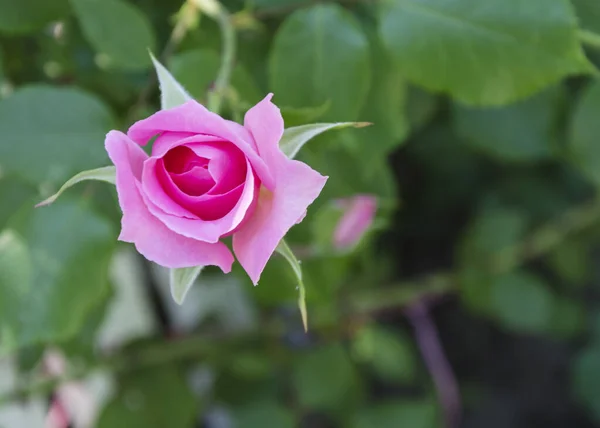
x: 450, y: 262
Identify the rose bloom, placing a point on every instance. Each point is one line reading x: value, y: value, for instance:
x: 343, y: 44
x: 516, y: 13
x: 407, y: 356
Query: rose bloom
x: 209, y: 178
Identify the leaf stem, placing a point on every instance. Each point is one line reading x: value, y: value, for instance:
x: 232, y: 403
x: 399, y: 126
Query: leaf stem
x: 589, y: 38
x: 215, y: 96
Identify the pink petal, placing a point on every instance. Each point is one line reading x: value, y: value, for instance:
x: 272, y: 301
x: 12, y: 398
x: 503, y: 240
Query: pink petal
x: 297, y: 186
x: 192, y: 117
x: 241, y: 202
x: 151, y: 237
x: 357, y: 219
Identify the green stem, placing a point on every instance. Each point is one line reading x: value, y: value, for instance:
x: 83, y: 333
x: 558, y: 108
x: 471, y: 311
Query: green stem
x: 215, y: 97
x: 589, y: 38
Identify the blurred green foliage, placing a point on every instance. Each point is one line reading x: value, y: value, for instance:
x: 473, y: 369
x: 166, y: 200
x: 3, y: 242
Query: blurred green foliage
x: 484, y: 154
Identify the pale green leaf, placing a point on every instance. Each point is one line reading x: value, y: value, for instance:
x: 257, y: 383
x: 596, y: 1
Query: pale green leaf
x: 181, y: 280
x: 70, y: 248
x: 106, y: 174
x: 287, y: 253
x: 297, y: 136
x: 319, y: 54
x: 482, y: 52
x: 172, y: 93
x: 50, y: 133
x: 118, y: 30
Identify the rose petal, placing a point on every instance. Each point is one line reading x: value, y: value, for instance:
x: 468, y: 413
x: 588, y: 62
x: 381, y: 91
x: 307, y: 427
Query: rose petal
x: 358, y: 217
x: 297, y: 186
x: 211, y: 230
x: 192, y: 117
x: 152, y: 238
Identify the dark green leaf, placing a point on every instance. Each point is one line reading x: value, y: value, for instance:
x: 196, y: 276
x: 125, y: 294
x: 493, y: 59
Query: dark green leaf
x: 389, y: 353
x: 325, y: 378
x: 155, y: 398
x: 320, y: 54
x: 118, y: 30
x: 584, y: 149
x: 526, y: 131
x: 21, y: 16
x: 262, y: 414
x: 586, y: 379
x: 588, y: 12
x: 49, y: 133
x: 407, y: 413
x: 522, y: 302
x: 483, y: 53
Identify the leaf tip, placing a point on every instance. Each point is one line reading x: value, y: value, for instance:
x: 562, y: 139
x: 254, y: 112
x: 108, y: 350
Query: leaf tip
x: 362, y: 124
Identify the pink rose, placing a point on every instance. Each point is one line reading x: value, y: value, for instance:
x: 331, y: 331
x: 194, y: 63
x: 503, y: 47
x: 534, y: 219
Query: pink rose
x: 359, y: 213
x: 209, y: 178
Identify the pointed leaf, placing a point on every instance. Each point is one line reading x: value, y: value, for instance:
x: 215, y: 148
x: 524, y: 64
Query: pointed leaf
x: 107, y: 174
x: 172, y: 93
x: 181, y: 280
x: 287, y: 253
x: 294, y: 138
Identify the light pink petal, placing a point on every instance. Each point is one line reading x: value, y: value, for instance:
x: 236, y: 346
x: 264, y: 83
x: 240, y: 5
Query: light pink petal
x: 356, y: 220
x: 151, y: 237
x: 192, y: 117
x: 265, y: 123
x: 241, y: 205
x: 276, y: 212
x: 170, y: 140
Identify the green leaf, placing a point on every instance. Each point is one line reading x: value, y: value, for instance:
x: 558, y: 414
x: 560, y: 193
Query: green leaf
x: 584, y: 149
x: 492, y: 231
x: 107, y: 174
x: 286, y: 252
x: 572, y: 261
x: 586, y: 378
x: 295, y: 137
x: 525, y: 131
x: 293, y: 116
x: 325, y: 378
x: 49, y: 133
x: 522, y: 302
x: 23, y: 16
x: 405, y: 413
x: 261, y: 414
x: 483, y: 53
x: 181, y: 280
x: 15, y: 281
x: 155, y: 398
x: 118, y: 30
x: 13, y: 194
x: 70, y: 248
x: 172, y: 93
x: 389, y: 353
x: 197, y: 69
x: 588, y: 12
x: 320, y: 54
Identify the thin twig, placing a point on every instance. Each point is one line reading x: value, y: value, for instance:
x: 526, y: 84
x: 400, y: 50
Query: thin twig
x: 435, y: 359
x: 215, y: 96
